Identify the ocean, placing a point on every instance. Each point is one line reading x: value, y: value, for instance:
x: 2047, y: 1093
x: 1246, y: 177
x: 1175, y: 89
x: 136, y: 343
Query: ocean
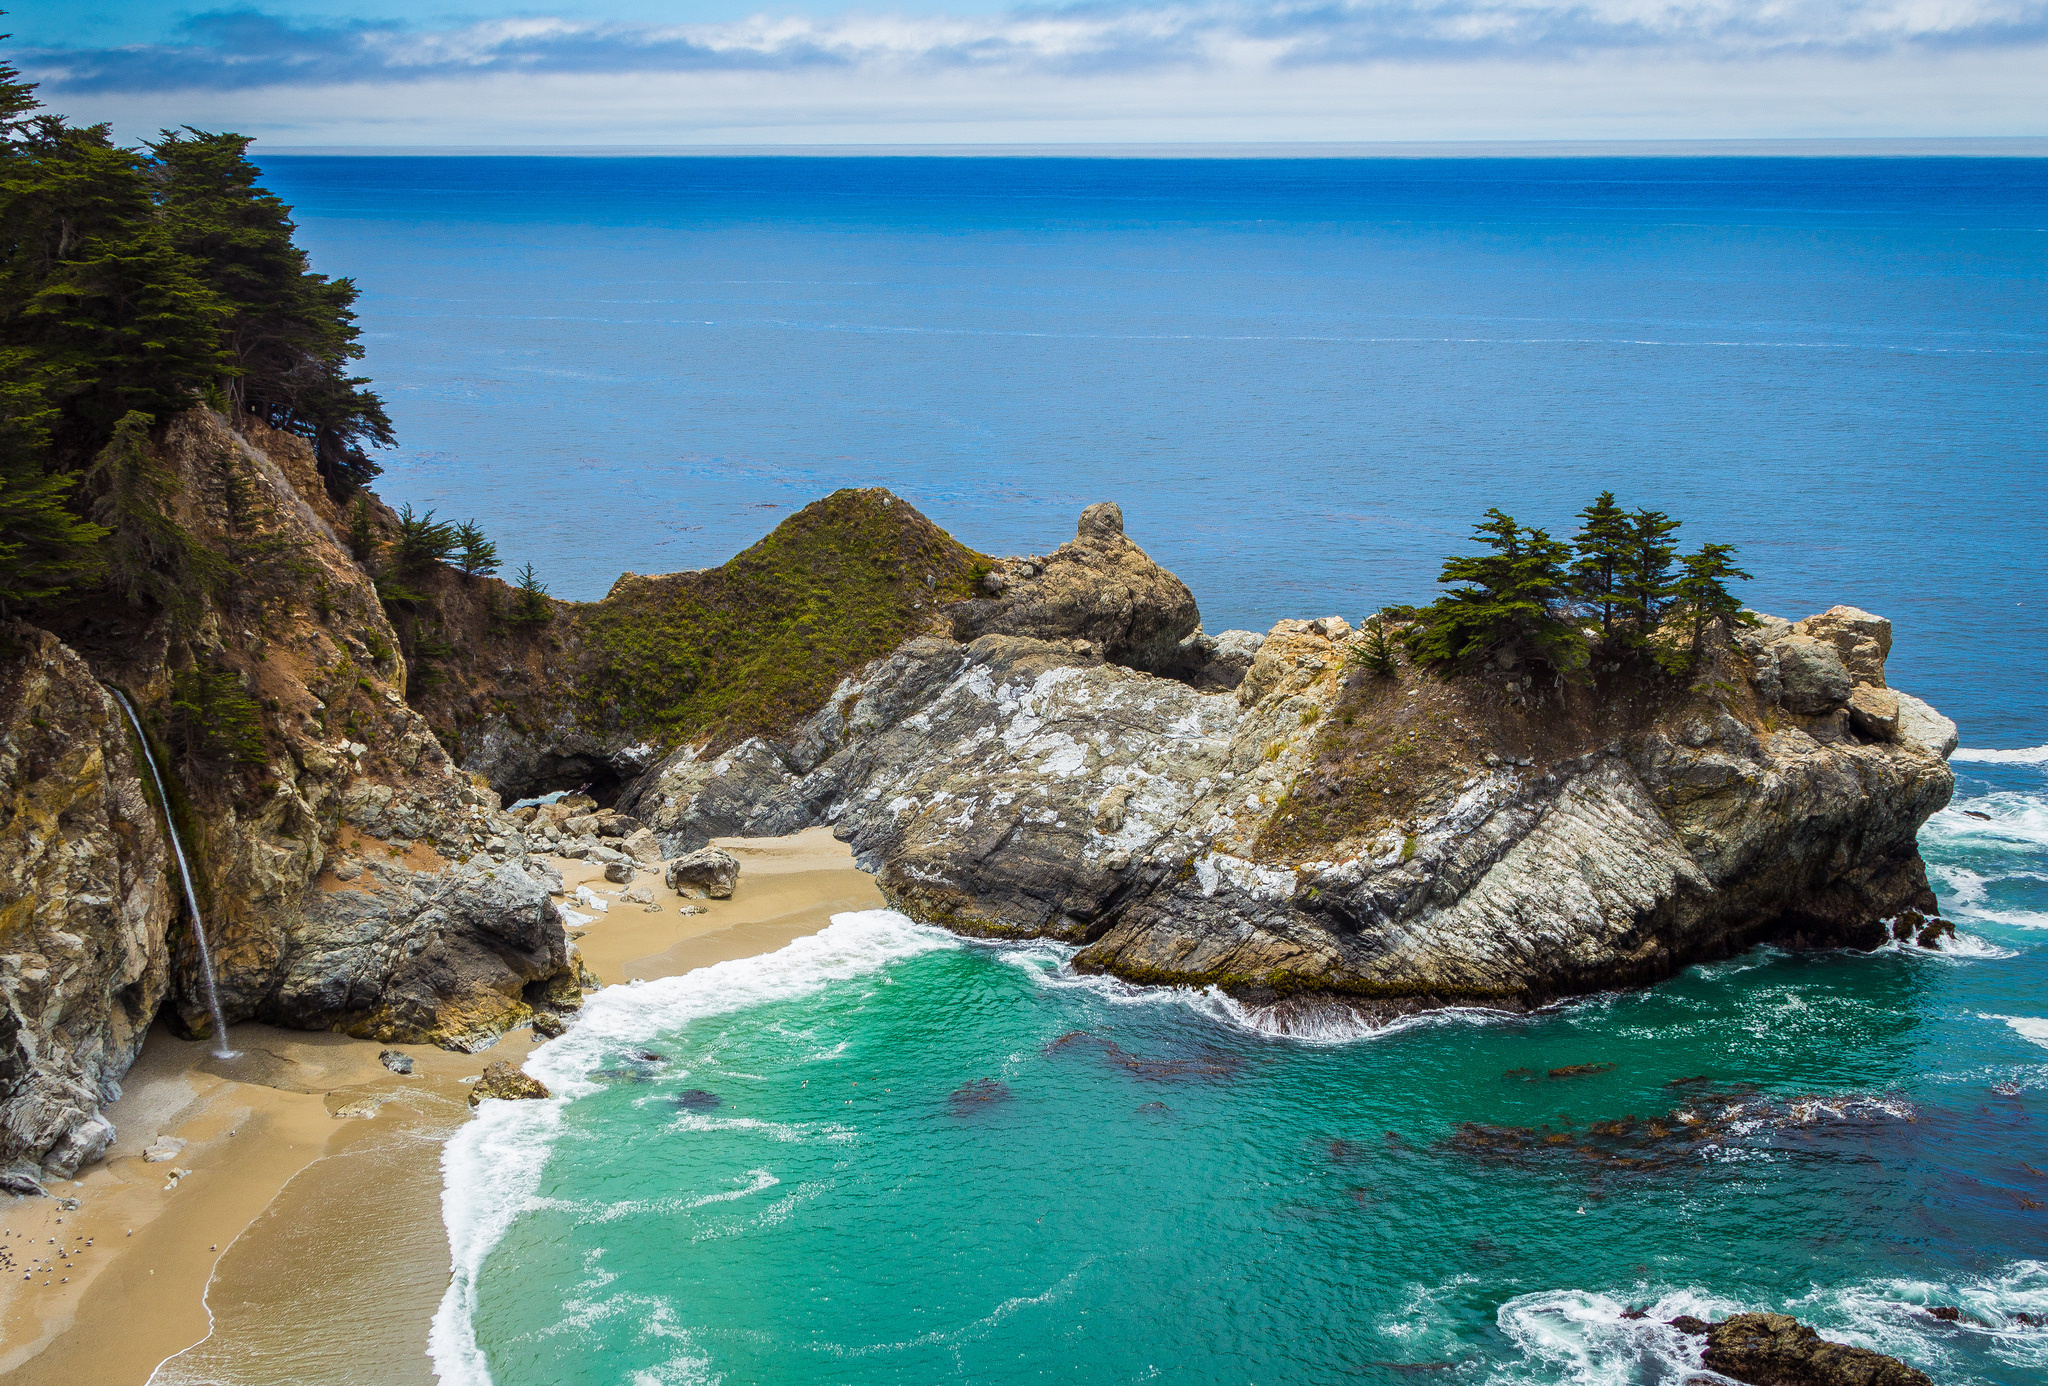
x: 885, y: 1154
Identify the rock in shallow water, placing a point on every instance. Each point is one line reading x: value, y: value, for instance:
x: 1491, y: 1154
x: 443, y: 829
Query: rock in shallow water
x: 504, y: 1081
x: 395, y: 1061
x: 1778, y: 1350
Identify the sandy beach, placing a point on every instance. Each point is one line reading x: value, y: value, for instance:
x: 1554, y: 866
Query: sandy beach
x: 296, y: 1235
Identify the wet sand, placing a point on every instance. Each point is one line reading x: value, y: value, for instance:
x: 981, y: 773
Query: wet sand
x: 305, y: 1245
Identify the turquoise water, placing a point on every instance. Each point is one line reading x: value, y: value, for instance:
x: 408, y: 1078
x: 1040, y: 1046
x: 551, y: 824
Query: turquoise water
x: 1302, y: 380
x: 931, y: 1159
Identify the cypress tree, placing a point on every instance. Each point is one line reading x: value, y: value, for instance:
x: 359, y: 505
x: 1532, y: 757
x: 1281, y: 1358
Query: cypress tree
x: 44, y: 547
x: 1643, y: 580
x: 1701, y: 593
x: 1602, y: 545
x: 291, y: 333
x: 1507, y: 606
x: 475, y: 555
x: 111, y: 317
x: 149, y: 555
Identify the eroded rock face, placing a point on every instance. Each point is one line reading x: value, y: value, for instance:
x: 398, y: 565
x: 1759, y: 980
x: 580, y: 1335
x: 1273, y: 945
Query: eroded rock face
x: 86, y: 905
x: 1101, y: 590
x: 352, y: 877
x: 1020, y: 786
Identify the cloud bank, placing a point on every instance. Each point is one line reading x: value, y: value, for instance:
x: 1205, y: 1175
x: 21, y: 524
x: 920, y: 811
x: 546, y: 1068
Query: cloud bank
x: 1134, y: 70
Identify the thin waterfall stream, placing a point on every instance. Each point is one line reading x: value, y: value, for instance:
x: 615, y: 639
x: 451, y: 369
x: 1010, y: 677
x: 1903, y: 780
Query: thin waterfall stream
x: 220, y: 1024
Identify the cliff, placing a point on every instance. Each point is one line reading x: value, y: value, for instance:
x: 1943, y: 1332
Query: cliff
x: 1296, y: 827
x: 351, y: 877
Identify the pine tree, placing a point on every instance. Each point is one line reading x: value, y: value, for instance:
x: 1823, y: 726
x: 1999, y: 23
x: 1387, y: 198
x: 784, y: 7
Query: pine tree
x: 420, y: 543
x: 1375, y: 653
x: 1602, y: 546
x: 1643, y: 581
x: 363, y: 539
x: 475, y: 556
x: 532, y: 607
x: 1508, y: 606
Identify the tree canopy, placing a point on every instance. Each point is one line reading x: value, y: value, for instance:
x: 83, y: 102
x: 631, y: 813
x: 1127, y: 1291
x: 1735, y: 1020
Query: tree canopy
x: 135, y: 283
x: 1533, y: 601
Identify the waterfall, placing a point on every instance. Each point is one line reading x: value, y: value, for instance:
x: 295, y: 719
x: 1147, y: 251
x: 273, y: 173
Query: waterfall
x: 220, y: 1024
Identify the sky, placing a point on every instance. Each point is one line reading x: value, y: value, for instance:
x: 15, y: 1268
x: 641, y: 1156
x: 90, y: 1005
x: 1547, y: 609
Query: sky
x: 763, y: 72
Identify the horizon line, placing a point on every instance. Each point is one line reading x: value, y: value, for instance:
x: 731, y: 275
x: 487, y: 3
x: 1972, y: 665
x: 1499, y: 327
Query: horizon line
x: 1871, y: 146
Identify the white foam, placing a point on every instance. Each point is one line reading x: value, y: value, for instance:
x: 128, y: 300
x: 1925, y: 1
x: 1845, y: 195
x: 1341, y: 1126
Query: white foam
x: 2025, y: 755
x: 489, y: 1170
x: 1049, y: 965
x: 2033, y: 1029
x: 1879, y: 1314
x: 492, y: 1166
x: 1580, y: 1337
x: 617, y: 1018
x: 2008, y: 818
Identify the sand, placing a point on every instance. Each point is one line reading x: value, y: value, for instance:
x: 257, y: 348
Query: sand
x: 305, y: 1244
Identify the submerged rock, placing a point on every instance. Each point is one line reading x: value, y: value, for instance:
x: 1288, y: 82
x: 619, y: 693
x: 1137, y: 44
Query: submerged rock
x: 697, y: 1100
x: 504, y: 1081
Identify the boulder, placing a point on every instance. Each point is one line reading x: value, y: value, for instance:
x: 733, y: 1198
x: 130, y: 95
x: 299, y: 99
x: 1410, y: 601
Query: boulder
x: 710, y: 873
x: 1862, y: 640
x: 1101, y: 591
x: 1874, y: 712
x: 643, y: 846
x: 548, y: 1025
x: 504, y: 1081
x: 1778, y: 1350
x: 1812, y: 675
x: 396, y: 1061
x: 619, y: 872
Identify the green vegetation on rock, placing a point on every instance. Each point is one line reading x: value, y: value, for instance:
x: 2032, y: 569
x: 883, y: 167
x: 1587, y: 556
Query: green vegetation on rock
x: 756, y: 645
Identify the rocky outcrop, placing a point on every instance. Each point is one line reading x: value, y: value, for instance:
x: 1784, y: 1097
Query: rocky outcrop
x: 1101, y: 592
x: 1778, y: 1350
x: 351, y: 877
x: 86, y: 906
x: 1388, y: 843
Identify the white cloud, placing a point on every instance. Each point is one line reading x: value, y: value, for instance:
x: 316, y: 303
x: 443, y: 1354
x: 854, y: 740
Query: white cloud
x: 1412, y: 69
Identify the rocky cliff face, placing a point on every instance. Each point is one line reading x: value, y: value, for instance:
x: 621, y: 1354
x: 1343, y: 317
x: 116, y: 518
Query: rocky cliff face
x: 86, y: 904
x: 351, y: 876
x: 1314, y: 830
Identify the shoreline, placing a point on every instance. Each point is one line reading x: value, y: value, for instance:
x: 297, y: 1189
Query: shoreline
x: 314, y: 1183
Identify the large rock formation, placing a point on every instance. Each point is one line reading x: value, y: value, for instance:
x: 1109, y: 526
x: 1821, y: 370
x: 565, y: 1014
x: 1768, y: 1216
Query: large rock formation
x: 350, y: 875
x: 1317, y: 830
x: 85, y: 904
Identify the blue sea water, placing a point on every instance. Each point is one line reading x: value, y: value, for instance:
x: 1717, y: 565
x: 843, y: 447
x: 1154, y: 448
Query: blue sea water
x: 1302, y: 380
